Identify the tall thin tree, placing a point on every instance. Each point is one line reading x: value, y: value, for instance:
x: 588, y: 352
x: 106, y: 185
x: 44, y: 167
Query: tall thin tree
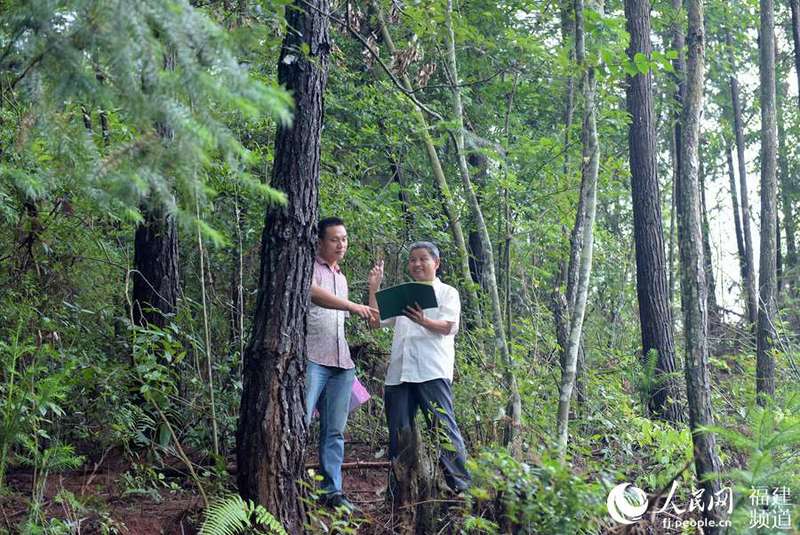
x: 693, y: 281
x: 655, y: 315
x: 679, y: 69
x: 768, y: 307
x: 749, y: 281
x: 271, y: 433
x: 514, y: 410
x: 588, y: 198
x: 737, y: 223
x: 785, y: 181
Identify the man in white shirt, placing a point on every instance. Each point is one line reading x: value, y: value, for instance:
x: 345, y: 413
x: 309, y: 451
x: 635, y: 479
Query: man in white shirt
x: 420, y: 371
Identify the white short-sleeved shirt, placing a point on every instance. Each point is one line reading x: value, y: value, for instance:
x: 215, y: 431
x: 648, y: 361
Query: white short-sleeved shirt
x: 420, y: 355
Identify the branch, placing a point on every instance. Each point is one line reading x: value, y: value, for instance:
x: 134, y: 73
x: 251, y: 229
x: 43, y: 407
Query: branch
x: 24, y: 73
x: 387, y: 70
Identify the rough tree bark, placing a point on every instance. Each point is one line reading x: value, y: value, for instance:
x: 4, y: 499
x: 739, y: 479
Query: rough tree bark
x: 768, y: 308
x: 155, y: 257
x: 589, y: 170
x: 693, y: 283
x: 655, y: 315
x: 271, y: 434
x: 156, y: 282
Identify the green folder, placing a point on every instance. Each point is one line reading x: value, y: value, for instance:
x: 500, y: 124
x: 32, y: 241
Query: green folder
x: 393, y: 301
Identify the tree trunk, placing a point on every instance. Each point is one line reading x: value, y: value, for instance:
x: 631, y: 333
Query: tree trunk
x: 155, y: 279
x: 473, y: 304
x: 155, y: 252
x: 679, y: 68
x: 589, y: 170
x: 790, y: 265
x: 477, y: 256
x: 708, y: 264
x: 395, y: 160
x: 693, y: 282
x: 568, y: 21
x: 398, y: 177
x: 271, y: 434
x: 792, y: 258
x: 795, y: 6
x: 767, y: 311
x: 567, y: 41
x: 414, y: 486
x: 736, y: 220
x: 738, y: 128
x: 562, y: 307
x: 651, y: 275
x: 237, y: 283
x: 514, y: 411
x: 673, y: 149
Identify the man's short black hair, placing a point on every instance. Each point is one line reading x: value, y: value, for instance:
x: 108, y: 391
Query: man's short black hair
x: 322, y: 226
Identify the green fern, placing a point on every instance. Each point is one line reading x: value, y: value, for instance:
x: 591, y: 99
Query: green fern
x: 233, y: 515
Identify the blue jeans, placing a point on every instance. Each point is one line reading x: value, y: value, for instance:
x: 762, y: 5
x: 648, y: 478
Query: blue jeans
x: 328, y: 389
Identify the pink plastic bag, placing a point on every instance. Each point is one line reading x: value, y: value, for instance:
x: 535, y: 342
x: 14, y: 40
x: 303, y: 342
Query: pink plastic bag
x: 358, y: 396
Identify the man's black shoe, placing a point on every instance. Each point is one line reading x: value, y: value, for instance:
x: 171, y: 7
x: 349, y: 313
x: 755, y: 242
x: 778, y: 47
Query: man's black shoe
x: 334, y: 500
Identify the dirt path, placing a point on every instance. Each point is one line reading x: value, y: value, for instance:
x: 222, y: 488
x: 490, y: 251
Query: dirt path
x: 108, y: 498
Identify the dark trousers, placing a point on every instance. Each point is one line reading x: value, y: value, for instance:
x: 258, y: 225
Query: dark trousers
x: 435, y: 398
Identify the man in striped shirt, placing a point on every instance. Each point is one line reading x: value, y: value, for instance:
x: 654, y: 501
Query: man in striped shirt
x: 330, y: 370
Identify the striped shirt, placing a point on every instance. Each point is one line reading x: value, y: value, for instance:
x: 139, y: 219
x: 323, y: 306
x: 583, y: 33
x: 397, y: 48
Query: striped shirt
x: 325, y: 341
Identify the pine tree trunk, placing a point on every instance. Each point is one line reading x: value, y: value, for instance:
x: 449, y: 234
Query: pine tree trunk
x: 767, y: 311
x: 693, y: 283
x: 589, y: 171
x: 156, y: 282
x: 651, y: 274
x: 738, y: 128
x: 155, y: 279
x: 271, y: 434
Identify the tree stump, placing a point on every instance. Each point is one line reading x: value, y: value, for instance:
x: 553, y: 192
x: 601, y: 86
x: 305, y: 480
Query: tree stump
x: 415, y: 483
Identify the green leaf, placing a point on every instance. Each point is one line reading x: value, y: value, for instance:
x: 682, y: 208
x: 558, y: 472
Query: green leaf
x: 642, y: 62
